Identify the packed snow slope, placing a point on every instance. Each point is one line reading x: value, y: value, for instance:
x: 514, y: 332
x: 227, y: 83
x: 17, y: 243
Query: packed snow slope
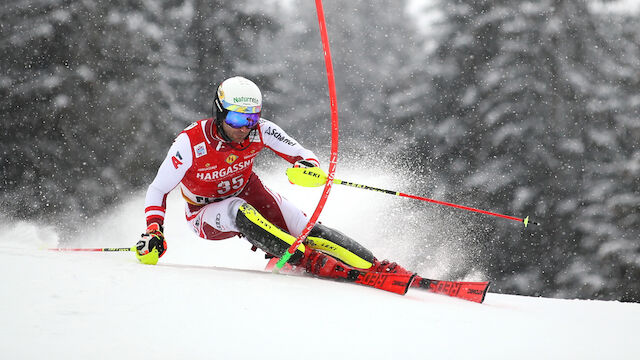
x: 210, y: 300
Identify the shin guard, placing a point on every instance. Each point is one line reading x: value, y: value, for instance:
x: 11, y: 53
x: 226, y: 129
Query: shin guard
x: 340, y: 246
x: 264, y: 235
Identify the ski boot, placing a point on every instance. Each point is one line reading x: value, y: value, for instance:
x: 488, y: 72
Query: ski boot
x: 314, y: 263
x: 325, y: 266
x: 385, y: 266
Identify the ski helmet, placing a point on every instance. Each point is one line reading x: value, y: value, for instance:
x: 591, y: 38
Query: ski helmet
x: 237, y: 94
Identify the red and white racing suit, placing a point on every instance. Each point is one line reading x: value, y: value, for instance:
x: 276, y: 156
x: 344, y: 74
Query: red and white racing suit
x: 216, y: 177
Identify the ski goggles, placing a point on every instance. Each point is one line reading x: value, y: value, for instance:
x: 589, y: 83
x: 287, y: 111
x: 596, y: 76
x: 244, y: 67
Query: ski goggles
x: 237, y: 119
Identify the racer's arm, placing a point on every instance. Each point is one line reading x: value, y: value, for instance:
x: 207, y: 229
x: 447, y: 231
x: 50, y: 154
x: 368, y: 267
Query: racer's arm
x: 170, y: 173
x: 284, y: 145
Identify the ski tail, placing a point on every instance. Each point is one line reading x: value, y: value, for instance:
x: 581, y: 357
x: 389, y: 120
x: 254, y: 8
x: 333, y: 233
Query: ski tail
x: 466, y: 290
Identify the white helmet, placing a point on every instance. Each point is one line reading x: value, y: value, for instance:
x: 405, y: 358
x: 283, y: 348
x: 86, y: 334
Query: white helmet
x: 238, y: 94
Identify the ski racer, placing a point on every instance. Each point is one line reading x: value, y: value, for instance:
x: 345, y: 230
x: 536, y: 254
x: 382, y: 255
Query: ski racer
x: 211, y: 161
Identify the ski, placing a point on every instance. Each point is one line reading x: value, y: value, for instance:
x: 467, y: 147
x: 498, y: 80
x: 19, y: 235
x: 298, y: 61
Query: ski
x: 400, y: 283
x: 466, y: 290
x: 395, y: 283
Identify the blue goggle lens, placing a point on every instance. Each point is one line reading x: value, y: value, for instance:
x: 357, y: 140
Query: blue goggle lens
x: 237, y: 119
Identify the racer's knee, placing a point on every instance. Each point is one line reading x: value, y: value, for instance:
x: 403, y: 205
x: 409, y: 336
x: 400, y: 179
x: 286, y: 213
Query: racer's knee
x: 217, y: 220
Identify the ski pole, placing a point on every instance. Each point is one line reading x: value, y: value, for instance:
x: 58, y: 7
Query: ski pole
x: 133, y: 248
x: 312, y: 177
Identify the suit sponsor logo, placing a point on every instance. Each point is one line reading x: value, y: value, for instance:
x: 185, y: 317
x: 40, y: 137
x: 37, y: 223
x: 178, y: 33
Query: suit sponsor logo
x: 254, y: 136
x: 218, y: 222
x: 280, y: 136
x: 208, y: 167
x: 231, y: 159
x: 175, y: 160
x: 200, y: 150
x: 214, y: 175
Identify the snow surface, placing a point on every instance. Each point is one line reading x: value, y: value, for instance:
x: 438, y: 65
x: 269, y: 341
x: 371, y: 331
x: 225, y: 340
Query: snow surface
x: 210, y: 300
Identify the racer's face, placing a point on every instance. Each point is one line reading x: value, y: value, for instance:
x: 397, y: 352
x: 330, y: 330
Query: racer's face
x: 235, y: 134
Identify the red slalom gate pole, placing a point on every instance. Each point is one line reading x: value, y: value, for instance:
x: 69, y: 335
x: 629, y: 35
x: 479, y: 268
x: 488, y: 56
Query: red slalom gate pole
x: 333, y: 160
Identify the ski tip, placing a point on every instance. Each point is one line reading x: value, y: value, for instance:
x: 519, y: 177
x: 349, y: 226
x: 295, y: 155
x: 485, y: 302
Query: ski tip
x: 410, y: 282
x: 485, y: 292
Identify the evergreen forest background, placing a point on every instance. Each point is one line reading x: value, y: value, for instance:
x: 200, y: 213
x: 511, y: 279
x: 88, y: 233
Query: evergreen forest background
x: 519, y: 107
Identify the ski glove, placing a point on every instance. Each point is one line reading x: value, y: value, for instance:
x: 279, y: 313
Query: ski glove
x: 304, y: 175
x: 306, y: 164
x: 151, y: 245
